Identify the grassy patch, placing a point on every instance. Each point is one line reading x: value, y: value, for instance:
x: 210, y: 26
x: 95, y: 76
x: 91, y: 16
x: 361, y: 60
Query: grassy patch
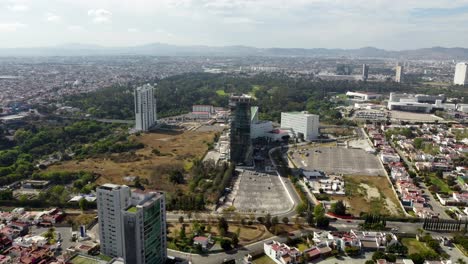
x: 221, y: 92
x: 414, y: 246
x: 263, y: 260
x: 441, y: 184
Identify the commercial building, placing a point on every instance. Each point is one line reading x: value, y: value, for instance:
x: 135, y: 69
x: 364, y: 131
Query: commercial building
x: 144, y: 228
x: 398, y: 73
x: 303, y: 124
x: 132, y: 224
x: 240, y: 141
x: 111, y: 200
x: 365, y: 72
x: 363, y: 96
x: 258, y: 128
x: 145, y: 108
x: 417, y: 102
x: 461, y: 74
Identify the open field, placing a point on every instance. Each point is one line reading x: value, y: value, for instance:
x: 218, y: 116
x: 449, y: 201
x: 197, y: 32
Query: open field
x: 163, y: 152
x: 414, y: 246
x: 369, y: 194
x: 335, y: 160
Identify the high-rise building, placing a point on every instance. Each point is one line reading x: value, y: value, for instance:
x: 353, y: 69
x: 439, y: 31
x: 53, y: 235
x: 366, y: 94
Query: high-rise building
x: 145, y: 108
x: 240, y: 141
x: 398, y: 73
x: 111, y: 200
x: 365, y: 72
x: 144, y: 224
x: 461, y: 74
x: 132, y: 224
x: 303, y: 124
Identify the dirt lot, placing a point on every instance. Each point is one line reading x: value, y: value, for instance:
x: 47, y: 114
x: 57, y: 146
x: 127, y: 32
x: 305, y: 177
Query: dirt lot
x: 172, y: 150
x: 369, y: 194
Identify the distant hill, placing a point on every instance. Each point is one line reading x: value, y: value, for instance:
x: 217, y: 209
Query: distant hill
x: 161, y: 49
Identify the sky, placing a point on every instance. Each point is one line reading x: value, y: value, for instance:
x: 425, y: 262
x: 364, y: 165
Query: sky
x: 388, y: 24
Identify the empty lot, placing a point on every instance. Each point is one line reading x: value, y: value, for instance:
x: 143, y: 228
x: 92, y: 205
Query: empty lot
x: 339, y: 161
x: 258, y: 193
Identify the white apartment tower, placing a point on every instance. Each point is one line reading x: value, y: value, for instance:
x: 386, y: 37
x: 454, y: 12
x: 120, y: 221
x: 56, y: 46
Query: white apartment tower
x: 145, y: 108
x: 111, y: 200
x: 398, y: 73
x: 461, y: 74
x: 302, y: 124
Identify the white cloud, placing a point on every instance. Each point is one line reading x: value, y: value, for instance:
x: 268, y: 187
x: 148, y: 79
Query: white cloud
x: 75, y: 28
x: 11, y: 27
x: 18, y: 7
x: 100, y: 16
x: 133, y: 30
x: 52, y: 17
x: 241, y: 20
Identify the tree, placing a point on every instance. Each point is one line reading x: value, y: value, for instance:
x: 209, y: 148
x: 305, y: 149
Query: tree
x: 310, y: 218
x: 226, y: 244
x: 285, y: 220
x: 378, y: 255
x: 84, y: 204
x: 223, y: 226
x: 417, y: 258
x: 182, y: 234
x: 369, y: 262
x: 323, y: 222
x: 137, y: 183
x: 50, y: 235
x: 319, y: 210
x: 235, y: 240
x: 275, y: 220
x: 176, y: 177
x: 268, y: 223
x: 338, y: 208
x: 460, y: 261
x: 181, y: 219
x: 301, y: 208
x: 418, y: 143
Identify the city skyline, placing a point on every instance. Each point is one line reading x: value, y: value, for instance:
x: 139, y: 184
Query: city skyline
x: 297, y: 23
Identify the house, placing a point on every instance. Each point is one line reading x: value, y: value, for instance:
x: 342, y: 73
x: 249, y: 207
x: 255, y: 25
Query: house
x: 203, y: 241
x: 281, y: 253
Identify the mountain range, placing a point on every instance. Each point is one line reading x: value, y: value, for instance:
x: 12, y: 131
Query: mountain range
x: 161, y: 49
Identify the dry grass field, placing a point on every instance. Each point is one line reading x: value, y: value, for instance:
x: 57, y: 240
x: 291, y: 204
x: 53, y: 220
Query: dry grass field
x: 369, y: 194
x: 163, y: 151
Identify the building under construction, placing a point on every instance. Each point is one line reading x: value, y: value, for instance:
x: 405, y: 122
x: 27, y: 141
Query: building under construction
x: 241, y: 144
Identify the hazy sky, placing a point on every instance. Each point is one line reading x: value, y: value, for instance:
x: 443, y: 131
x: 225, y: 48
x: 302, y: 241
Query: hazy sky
x: 390, y: 24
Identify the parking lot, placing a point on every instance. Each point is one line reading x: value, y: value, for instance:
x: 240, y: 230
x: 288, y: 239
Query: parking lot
x: 259, y: 193
x: 339, y: 161
x: 65, y: 233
